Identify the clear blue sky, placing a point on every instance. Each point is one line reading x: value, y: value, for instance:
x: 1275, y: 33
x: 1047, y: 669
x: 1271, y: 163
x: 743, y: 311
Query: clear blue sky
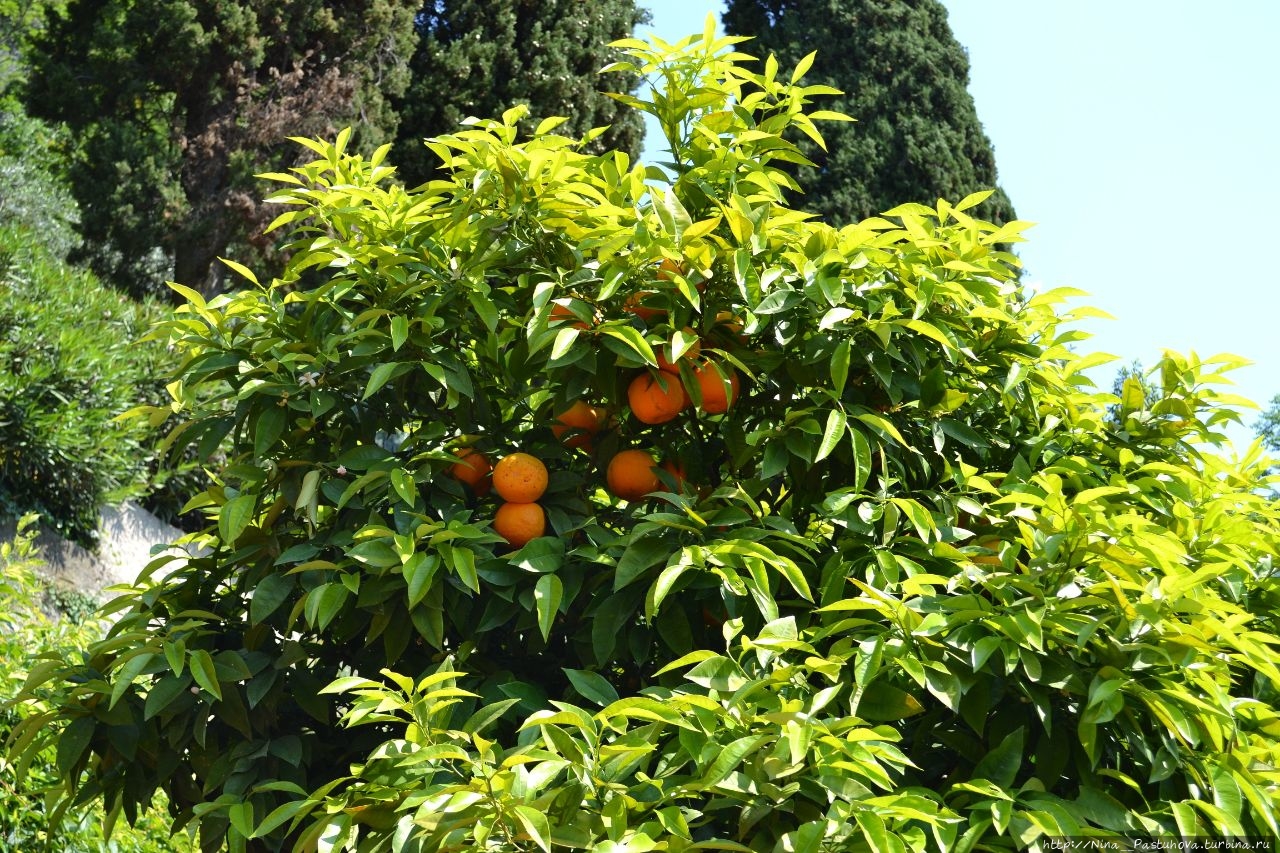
x: 1144, y: 139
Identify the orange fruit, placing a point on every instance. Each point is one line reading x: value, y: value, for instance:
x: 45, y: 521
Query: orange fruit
x: 634, y: 304
x: 711, y: 385
x: 520, y: 478
x: 656, y: 400
x: 631, y: 474
x: 580, y: 421
x: 472, y: 468
x: 520, y: 523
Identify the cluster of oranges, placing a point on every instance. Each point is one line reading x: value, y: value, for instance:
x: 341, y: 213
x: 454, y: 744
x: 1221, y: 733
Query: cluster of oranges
x: 520, y: 480
x: 654, y: 397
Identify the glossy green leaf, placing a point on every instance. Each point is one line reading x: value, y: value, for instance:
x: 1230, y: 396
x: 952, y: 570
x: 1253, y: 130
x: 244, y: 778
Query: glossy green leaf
x: 547, y: 595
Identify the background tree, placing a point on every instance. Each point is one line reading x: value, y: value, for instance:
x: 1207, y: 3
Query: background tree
x: 477, y: 58
x: 917, y: 137
x: 1268, y: 426
x: 175, y: 105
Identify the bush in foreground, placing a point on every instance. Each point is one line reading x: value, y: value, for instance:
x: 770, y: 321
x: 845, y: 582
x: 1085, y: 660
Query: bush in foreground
x: 30, y: 818
x: 894, y: 580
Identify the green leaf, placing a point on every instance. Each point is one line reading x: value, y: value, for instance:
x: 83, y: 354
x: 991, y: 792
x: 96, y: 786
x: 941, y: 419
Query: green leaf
x: 634, y: 340
x: 123, y: 677
x: 666, y: 580
x: 203, y: 671
x: 1001, y: 764
x: 535, y: 823
x: 487, y: 716
x: 241, y: 269
x: 381, y: 375
x: 323, y: 604
x: 399, y: 331
x: 267, y: 430
x: 592, y: 686
x: 241, y: 817
x: 731, y: 756
x: 840, y: 367
x: 307, y: 493
x: 563, y: 342
x: 162, y: 693
x: 671, y: 213
x: 882, y: 425
x: 642, y: 554
x: 72, y: 743
x: 402, y: 481
x: 861, y: 459
x: 268, y: 595
x: 546, y: 596
x: 837, y: 421
x: 882, y: 703
x: 234, y: 517
x: 418, y: 573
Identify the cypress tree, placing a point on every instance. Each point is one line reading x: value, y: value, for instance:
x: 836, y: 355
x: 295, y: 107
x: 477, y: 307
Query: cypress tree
x: 917, y: 136
x: 176, y: 104
x: 478, y: 58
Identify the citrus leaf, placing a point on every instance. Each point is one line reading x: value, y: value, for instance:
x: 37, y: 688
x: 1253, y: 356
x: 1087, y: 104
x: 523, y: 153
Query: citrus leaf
x: 593, y: 686
x: 831, y: 435
x: 546, y: 596
x: 234, y: 516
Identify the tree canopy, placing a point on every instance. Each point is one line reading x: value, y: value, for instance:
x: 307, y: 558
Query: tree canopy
x: 174, y: 105
x: 477, y: 58
x: 916, y: 138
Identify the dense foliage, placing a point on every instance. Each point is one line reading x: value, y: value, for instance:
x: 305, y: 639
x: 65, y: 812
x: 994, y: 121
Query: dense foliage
x: 476, y: 58
x: 69, y: 364
x: 904, y: 78
x: 36, y: 195
x: 26, y: 823
x: 915, y: 589
x: 175, y: 104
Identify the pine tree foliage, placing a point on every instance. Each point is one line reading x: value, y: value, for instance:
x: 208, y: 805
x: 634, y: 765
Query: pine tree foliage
x: 917, y: 136
x: 478, y: 58
x: 175, y: 104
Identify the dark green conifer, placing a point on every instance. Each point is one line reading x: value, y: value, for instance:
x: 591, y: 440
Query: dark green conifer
x: 478, y: 58
x: 917, y: 136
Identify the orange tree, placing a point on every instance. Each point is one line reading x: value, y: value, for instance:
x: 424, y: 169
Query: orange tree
x: 903, y: 583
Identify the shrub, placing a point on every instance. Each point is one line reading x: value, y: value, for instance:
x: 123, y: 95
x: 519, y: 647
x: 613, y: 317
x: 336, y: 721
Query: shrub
x: 69, y: 364
x: 36, y: 197
x: 31, y: 820
x: 913, y: 589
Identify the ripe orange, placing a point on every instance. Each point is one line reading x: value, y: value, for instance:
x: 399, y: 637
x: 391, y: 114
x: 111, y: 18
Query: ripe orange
x: 631, y: 474
x: 580, y: 422
x: 711, y: 385
x: 473, y: 468
x: 520, y: 523
x: 656, y: 400
x: 520, y: 478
